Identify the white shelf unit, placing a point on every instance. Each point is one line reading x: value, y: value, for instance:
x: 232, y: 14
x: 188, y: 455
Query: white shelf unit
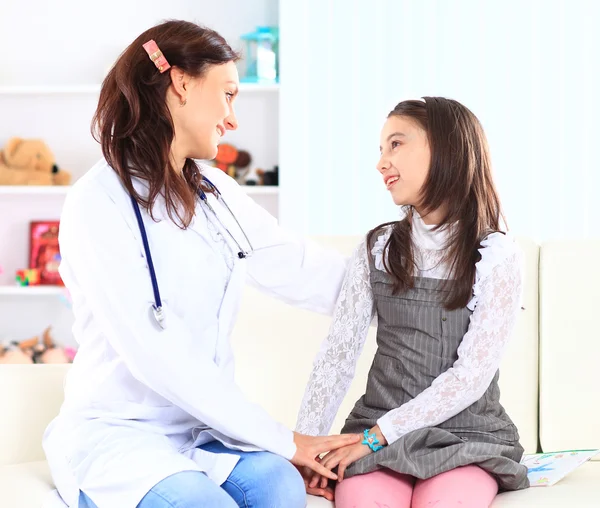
x: 261, y: 190
x: 60, y: 114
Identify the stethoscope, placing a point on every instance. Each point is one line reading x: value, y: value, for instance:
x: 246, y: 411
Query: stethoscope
x: 157, y: 308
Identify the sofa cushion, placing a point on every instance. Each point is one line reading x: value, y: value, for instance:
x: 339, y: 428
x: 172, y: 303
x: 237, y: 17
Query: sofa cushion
x: 28, y: 485
x: 25, y: 485
x: 32, y: 401
x: 519, y: 369
x: 569, y: 346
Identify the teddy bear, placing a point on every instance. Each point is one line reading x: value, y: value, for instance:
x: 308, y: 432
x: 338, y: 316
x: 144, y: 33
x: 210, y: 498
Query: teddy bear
x: 231, y: 160
x: 30, y: 162
x: 33, y: 350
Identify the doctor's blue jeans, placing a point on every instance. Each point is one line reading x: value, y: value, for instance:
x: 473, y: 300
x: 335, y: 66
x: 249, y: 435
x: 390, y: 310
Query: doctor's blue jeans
x: 259, y: 480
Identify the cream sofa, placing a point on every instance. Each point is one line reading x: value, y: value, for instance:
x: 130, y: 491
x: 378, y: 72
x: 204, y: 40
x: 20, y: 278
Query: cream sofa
x: 548, y: 379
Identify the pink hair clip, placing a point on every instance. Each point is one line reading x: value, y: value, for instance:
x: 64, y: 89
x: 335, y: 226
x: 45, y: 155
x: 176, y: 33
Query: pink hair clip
x: 156, y: 56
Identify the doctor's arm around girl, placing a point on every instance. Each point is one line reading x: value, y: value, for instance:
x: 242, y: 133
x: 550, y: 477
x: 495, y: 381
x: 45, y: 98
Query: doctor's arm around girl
x: 444, y: 283
x: 155, y: 251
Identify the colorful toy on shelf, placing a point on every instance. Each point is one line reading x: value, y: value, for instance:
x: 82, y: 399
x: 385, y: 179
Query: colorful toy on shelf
x: 270, y: 177
x: 262, y: 177
x: 231, y: 160
x: 44, y: 252
x: 262, y: 55
x: 11, y: 353
x: 35, y: 350
x: 28, y: 277
x: 30, y: 162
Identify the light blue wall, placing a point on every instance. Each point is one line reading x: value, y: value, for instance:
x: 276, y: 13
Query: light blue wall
x: 529, y: 69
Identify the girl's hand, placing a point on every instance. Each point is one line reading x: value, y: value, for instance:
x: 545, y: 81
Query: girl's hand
x: 347, y: 455
x: 308, y: 448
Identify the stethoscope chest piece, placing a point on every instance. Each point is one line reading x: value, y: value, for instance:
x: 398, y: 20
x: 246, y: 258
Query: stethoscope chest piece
x: 158, y: 314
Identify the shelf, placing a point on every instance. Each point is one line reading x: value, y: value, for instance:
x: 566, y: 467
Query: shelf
x: 259, y: 87
x: 32, y: 291
x: 261, y: 190
x: 49, y: 190
x: 50, y: 90
x: 95, y: 89
x: 34, y: 189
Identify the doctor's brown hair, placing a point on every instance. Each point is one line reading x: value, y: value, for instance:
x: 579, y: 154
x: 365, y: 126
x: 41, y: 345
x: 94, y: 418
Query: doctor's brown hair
x: 133, y: 124
x: 460, y: 179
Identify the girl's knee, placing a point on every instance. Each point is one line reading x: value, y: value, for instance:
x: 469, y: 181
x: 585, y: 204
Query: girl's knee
x: 380, y: 489
x: 463, y: 487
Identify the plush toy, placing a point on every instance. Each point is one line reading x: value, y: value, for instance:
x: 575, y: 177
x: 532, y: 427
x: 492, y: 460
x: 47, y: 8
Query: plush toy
x: 269, y: 177
x: 261, y: 177
x: 13, y: 354
x: 226, y: 156
x: 30, y: 162
x: 35, y: 351
x: 51, y: 353
x: 231, y: 160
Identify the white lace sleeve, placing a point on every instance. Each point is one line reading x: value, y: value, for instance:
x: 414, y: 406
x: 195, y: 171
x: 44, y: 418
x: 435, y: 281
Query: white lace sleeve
x: 479, y: 354
x: 334, y: 366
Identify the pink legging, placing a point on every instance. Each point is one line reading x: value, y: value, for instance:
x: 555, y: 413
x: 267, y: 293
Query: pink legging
x: 463, y: 487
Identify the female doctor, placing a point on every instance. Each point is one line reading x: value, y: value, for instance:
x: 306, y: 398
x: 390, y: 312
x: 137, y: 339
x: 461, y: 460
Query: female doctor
x: 155, y: 251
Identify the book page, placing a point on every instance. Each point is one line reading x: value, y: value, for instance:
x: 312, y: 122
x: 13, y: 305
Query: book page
x: 545, y: 469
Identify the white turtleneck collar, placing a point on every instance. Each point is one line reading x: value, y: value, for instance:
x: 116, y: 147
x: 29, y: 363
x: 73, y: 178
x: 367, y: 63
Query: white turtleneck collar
x: 425, y: 236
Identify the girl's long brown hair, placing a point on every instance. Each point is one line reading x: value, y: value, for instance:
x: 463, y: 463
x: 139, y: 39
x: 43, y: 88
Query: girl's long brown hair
x: 460, y: 182
x: 133, y: 124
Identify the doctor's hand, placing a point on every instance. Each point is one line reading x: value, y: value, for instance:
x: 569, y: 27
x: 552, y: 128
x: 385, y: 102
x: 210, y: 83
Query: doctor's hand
x: 308, y: 448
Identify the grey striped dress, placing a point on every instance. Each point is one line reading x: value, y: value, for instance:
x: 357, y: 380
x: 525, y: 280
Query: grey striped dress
x: 417, y: 340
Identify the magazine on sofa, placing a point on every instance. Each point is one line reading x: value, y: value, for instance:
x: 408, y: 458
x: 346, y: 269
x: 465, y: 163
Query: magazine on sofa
x: 545, y: 469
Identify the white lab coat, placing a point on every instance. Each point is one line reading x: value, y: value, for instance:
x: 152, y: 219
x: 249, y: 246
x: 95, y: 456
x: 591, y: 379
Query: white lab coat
x: 139, y: 400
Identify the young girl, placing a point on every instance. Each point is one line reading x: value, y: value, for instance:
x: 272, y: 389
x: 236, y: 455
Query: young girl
x: 445, y: 284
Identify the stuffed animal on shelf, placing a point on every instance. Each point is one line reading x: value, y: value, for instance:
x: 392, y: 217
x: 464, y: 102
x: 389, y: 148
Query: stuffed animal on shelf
x: 13, y: 354
x: 231, y: 160
x: 261, y: 177
x: 30, y: 162
x: 35, y: 350
x: 270, y: 177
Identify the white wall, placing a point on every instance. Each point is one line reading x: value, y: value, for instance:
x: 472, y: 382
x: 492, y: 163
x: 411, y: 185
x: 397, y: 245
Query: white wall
x: 68, y: 41
x: 529, y: 69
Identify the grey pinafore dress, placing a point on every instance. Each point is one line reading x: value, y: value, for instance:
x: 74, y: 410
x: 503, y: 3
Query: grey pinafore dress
x: 417, y: 340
